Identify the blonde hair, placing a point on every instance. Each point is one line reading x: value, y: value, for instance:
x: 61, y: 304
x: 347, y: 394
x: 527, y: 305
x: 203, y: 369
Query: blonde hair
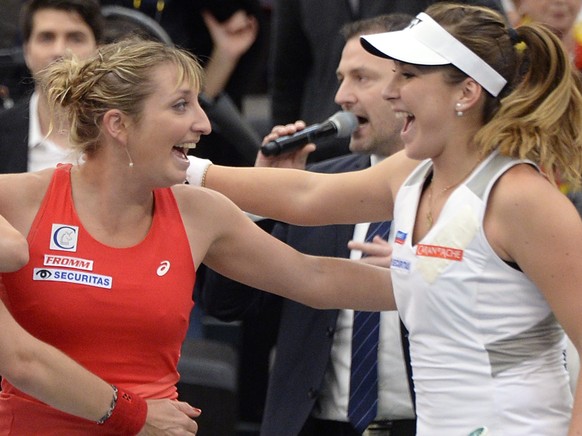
x: 538, y: 115
x: 117, y: 76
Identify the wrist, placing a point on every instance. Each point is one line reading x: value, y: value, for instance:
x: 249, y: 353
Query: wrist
x: 111, y: 407
x: 196, y: 174
x: 126, y: 415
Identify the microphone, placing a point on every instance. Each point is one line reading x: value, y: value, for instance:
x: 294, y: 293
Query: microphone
x: 341, y: 125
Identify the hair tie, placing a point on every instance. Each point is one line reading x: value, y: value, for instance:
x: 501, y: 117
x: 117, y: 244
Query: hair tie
x: 513, y: 36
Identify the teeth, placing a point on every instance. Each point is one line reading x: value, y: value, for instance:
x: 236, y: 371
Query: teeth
x: 402, y: 115
x: 189, y: 145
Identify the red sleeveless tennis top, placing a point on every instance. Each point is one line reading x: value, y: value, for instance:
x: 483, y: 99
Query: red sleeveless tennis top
x: 120, y: 312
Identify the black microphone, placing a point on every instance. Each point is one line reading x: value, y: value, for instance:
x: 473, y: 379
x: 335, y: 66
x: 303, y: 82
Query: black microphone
x: 340, y: 125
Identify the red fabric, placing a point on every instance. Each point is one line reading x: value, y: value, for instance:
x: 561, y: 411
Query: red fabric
x: 129, y: 415
x: 129, y: 333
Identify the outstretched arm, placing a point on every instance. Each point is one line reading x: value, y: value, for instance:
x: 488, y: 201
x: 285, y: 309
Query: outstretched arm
x: 280, y: 191
x: 306, y: 198
x: 235, y: 247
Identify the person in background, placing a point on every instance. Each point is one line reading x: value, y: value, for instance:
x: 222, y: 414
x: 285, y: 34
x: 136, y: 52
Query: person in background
x: 562, y: 17
x: 510, y: 7
x: 49, y: 29
x: 48, y: 375
x: 115, y: 240
x: 486, y: 255
x: 308, y: 391
x: 304, y: 52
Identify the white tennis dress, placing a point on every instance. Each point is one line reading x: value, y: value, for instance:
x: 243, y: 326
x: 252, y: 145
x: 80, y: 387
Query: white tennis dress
x: 486, y: 349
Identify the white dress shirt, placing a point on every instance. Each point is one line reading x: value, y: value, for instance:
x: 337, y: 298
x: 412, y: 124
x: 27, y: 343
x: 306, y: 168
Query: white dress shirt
x: 42, y: 152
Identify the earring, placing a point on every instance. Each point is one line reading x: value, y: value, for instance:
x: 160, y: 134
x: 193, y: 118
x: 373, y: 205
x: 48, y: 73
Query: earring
x: 458, y: 108
x: 129, y: 157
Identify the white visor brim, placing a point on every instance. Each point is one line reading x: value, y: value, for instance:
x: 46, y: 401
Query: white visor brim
x: 425, y: 42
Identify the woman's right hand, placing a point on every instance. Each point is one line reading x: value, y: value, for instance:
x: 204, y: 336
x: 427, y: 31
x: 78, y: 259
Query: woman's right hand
x: 296, y: 159
x: 169, y: 417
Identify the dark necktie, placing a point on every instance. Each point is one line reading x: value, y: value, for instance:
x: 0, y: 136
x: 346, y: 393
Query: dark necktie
x: 363, y: 402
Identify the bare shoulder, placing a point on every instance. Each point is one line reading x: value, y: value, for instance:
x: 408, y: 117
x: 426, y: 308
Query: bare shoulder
x: 197, y: 198
x: 522, y: 188
x: 23, y: 188
x: 525, y: 208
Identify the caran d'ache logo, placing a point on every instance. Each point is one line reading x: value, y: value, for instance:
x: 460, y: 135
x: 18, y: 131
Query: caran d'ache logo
x: 447, y: 253
x: 64, y: 237
x: 68, y: 276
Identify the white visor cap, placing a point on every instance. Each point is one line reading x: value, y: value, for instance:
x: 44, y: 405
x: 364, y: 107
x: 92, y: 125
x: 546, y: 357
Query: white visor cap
x: 425, y: 42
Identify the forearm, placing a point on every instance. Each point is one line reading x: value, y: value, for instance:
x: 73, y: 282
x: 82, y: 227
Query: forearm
x: 348, y: 284
x: 218, y: 72
x: 276, y: 193
x: 47, y: 374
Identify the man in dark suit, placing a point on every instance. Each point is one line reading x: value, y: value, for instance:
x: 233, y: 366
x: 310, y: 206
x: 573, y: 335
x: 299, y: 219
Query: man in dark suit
x: 309, y: 382
x: 305, y: 50
x: 50, y: 28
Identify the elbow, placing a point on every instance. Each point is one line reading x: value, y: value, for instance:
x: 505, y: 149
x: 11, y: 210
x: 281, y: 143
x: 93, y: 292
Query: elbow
x: 20, y: 371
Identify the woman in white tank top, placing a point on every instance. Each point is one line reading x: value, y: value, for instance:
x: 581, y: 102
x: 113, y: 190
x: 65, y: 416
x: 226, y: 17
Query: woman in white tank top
x: 487, y: 260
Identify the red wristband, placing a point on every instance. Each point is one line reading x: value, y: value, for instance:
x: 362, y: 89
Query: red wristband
x: 129, y: 414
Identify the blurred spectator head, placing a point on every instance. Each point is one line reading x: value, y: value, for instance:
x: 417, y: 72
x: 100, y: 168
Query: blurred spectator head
x: 50, y: 28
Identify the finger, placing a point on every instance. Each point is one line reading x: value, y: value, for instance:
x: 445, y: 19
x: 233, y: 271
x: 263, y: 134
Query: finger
x: 283, y: 130
x: 295, y: 159
x: 249, y: 25
x: 369, y: 249
x: 383, y: 261
x: 253, y: 24
x: 209, y: 20
x: 192, y: 412
x: 237, y: 21
x: 305, y: 150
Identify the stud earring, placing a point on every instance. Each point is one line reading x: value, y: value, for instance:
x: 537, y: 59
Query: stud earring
x: 458, y: 110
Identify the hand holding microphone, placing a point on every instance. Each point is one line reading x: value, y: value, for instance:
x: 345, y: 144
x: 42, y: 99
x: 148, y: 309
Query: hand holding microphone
x: 340, y: 125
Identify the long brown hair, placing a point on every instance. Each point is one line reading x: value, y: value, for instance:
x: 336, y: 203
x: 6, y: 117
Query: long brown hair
x: 538, y: 115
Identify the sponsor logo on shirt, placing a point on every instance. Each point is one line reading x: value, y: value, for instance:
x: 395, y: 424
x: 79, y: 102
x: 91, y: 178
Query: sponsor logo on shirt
x: 440, y: 252
x: 400, y: 237
x: 400, y: 264
x: 163, y: 268
x: 64, y: 237
x: 69, y: 262
x: 68, y: 276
